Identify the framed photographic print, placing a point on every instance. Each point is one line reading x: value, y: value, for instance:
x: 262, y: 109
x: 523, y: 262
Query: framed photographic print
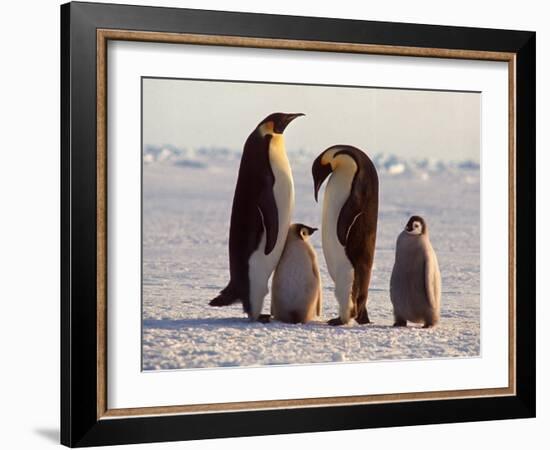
x: 277, y: 224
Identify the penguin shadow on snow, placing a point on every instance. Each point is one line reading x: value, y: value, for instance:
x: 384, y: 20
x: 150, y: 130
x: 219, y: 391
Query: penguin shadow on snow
x: 215, y: 323
x: 212, y: 323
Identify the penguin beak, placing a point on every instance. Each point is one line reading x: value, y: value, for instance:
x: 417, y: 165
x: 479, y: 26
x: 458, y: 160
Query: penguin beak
x: 311, y: 230
x: 285, y: 120
x: 320, y: 173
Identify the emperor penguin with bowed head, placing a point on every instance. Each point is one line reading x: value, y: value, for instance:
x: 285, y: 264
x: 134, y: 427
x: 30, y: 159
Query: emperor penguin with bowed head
x: 350, y: 216
x: 415, y: 286
x: 260, y: 217
x: 296, y: 286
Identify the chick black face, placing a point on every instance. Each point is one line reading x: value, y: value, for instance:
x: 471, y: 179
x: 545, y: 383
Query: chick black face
x: 279, y: 121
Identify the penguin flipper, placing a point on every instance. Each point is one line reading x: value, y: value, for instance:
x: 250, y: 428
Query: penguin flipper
x: 270, y: 216
x: 346, y: 220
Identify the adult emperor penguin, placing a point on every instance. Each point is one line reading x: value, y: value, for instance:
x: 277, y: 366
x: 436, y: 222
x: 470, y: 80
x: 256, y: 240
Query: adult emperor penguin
x: 296, y: 286
x: 415, y: 285
x: 260, y: 217
x: 350, y: 215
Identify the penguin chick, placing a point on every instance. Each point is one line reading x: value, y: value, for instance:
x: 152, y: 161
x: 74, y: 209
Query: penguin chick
x: 415, y: 285
x: 296, y: 286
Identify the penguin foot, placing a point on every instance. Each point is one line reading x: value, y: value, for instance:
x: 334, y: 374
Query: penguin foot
x: 362, y: 318
x: 264, y: 318
x: 335, y: 322
x: 400, y: 323
x: 428, y: 325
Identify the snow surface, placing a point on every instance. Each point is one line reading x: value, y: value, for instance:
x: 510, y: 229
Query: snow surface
x: 187, y: 199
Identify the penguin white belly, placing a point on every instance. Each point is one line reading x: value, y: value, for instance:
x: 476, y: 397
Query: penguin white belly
x: 338, y: 264
x: 260, y: 265
x: 336, y: 194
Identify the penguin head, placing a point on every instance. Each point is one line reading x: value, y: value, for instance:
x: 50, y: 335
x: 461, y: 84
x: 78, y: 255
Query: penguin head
x: 277, y: 122
x: 337, y: 157
x: 416, y: 226
x: 302, y: 231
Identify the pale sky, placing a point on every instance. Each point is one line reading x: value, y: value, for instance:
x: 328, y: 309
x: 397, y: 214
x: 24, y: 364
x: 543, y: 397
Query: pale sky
x: 408, y: 123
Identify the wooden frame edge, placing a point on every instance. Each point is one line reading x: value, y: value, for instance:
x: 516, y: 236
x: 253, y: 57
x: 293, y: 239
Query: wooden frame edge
x: 512, y: 199
x: 103, y: 35
x: 289, y: 44
x: 101, y: 225
x: 304, y: 403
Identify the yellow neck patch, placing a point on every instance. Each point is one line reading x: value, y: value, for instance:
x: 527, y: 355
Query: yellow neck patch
x: 341, y: 162
x: 267, y: 128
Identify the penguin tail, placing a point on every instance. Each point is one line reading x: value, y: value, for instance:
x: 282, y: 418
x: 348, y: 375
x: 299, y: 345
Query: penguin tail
x: 224, y: 299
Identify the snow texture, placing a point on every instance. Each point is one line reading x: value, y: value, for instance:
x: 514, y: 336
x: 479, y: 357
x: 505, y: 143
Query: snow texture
x: 187, y: 199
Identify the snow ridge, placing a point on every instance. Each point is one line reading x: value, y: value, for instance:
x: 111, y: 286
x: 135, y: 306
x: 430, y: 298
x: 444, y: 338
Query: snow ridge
x: 388, y: 163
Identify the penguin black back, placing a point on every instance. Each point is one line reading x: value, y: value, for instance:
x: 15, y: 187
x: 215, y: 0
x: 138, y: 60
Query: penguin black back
x: 246, y: 226
x: 254, y: 210
x: 357, y: 226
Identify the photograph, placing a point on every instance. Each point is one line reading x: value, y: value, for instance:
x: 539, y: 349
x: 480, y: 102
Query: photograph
x: 287, y: 224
